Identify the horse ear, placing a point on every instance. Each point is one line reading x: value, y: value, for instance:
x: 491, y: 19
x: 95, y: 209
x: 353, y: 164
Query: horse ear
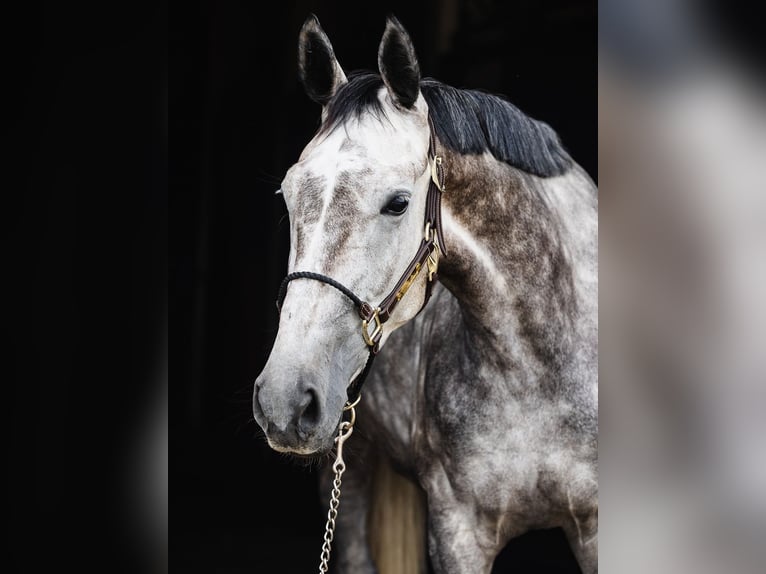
x: 320, y: 72
x: 398, y: 64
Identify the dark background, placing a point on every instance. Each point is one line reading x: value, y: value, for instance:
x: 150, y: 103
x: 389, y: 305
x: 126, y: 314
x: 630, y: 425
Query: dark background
x: 239, y: 120
x: 85, y: 212
x: 83, y: 285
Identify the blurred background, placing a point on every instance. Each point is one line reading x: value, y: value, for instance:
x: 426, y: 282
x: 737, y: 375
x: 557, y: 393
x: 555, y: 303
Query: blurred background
x: 682, y: 255
x: 240, y: 120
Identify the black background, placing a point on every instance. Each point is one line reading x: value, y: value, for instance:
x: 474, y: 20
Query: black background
x: 240, y: 119
x: 83, y: 286
x: 86, y: 294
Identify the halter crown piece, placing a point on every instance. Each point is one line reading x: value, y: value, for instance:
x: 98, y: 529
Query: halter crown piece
x: 428, y: 254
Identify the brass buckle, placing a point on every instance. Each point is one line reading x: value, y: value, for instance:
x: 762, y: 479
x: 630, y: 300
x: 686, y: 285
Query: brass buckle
x: 437, y: 161
x: 428, y: 233
x: 433, y: 260
x: 370, y: 338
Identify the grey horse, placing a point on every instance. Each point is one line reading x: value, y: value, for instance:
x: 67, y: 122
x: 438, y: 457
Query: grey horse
x: 478, y: 421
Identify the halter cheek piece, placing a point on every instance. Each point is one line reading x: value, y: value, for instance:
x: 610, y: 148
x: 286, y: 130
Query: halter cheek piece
x: 428, y: 254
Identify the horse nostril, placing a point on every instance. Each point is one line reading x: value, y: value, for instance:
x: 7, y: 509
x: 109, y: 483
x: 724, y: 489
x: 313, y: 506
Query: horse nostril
x: 309, y: 416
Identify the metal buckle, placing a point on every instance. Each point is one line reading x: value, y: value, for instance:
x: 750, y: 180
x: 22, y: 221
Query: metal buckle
x: 437, y: 161
x: 370, y: 338
x: 428, y: 233
x: 433, y: 260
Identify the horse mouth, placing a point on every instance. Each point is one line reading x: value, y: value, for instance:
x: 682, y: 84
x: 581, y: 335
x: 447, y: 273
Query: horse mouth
x: 293, y: 450
x: 308, y: 453
x: 305, y: 457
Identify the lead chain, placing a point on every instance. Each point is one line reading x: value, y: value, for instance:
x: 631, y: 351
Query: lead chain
x: 338, y: 467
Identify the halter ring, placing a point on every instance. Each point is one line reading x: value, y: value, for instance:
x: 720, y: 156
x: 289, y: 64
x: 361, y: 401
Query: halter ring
x: 372, y: 338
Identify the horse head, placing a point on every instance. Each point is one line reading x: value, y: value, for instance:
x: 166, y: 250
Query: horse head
x: 356, y: 200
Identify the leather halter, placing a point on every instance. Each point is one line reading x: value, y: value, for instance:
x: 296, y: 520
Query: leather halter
x: 428, y: 254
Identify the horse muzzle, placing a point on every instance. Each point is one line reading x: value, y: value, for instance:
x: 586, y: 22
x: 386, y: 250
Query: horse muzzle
x: 290, y: 418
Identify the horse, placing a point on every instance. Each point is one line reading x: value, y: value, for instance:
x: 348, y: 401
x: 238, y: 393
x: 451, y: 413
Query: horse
x: 478, y: 420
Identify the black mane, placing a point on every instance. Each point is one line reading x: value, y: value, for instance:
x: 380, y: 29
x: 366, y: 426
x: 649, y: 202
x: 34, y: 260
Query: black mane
x: 466, y: 121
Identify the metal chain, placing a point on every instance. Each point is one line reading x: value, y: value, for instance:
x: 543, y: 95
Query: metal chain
x: 338, y: 467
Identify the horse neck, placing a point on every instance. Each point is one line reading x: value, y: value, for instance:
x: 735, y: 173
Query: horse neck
x: 512, y: 255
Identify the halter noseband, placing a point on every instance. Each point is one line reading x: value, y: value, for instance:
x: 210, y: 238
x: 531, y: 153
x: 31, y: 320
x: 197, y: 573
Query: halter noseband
x: 428, y: 254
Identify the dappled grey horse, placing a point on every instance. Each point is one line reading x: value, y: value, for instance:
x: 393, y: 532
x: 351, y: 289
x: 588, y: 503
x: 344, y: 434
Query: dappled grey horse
x: 482, y: 403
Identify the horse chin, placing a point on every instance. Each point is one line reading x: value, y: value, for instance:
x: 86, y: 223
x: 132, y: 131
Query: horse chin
x: 308, y: 452
x: 315, y: 459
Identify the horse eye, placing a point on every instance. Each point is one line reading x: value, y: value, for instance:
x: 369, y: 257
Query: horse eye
x: 397, y: 205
